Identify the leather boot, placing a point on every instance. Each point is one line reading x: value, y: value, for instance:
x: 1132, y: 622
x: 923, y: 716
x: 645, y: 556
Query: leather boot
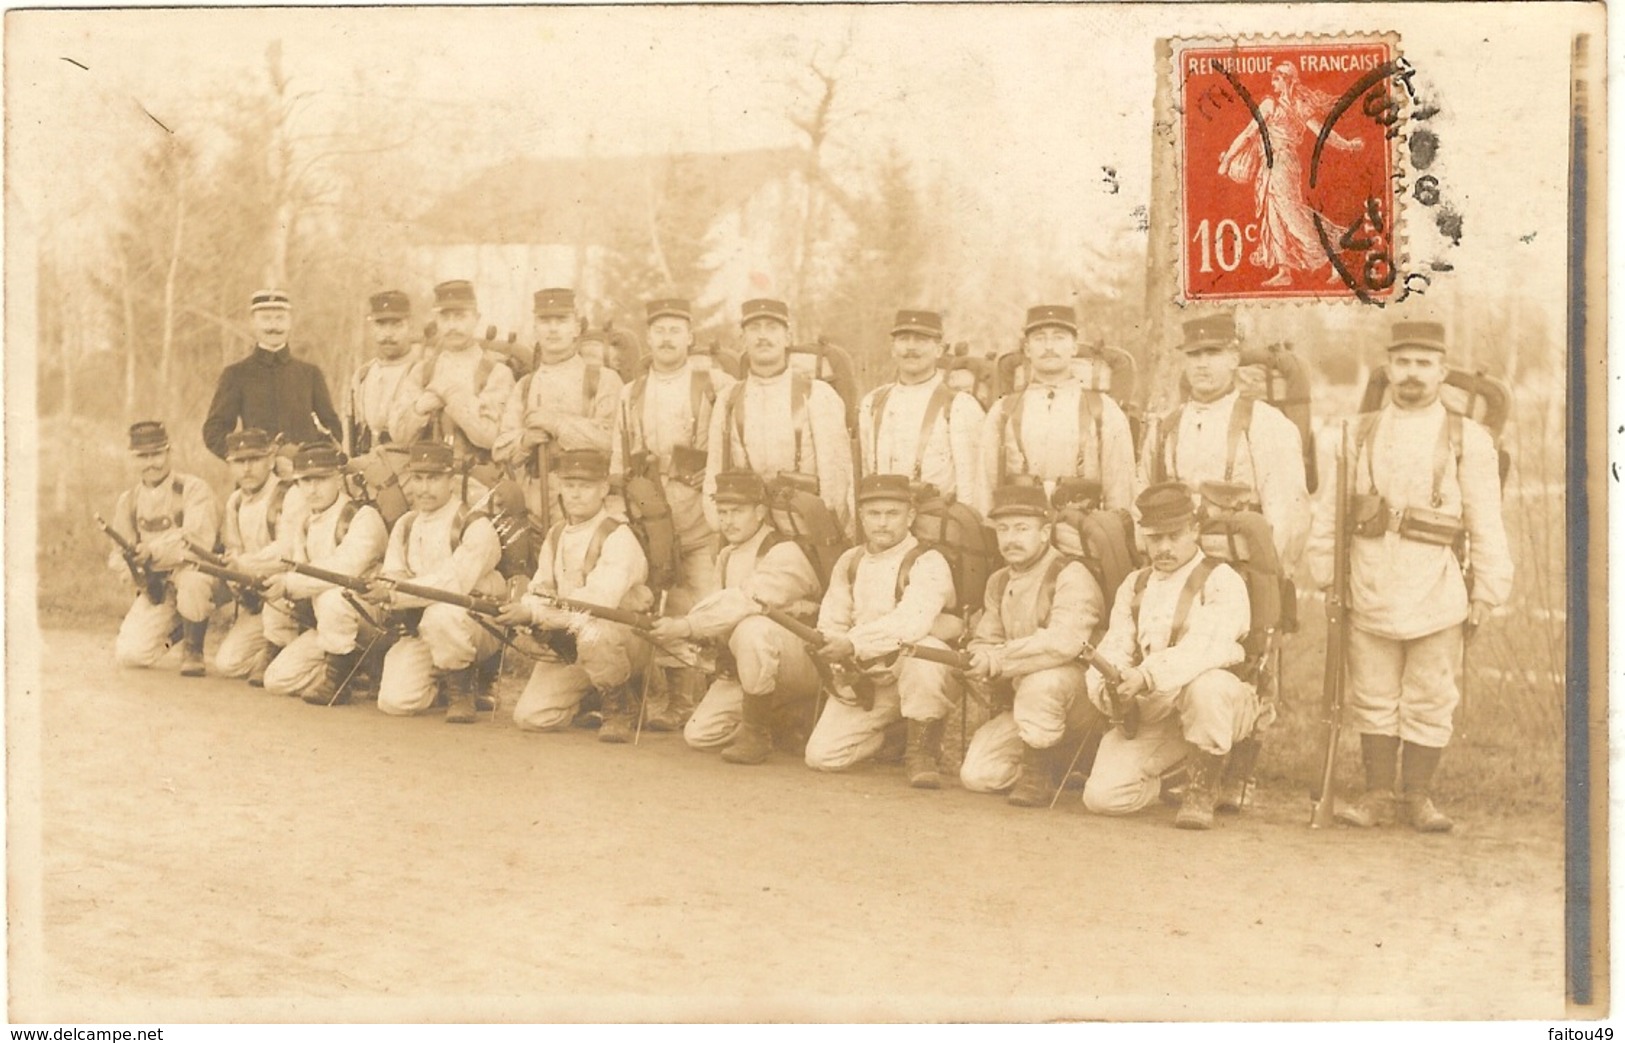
x: 256, y: 675
x: 895, y: 744
x: 1416, y: 773
x: 334, y: 687
x: 1237, y: 781
x: 752, y: 743
x: 460, y: 685
x: 1375, y: 807
x: 1033, y: 788
x: 486, y: 674
x: 683, y: 691
x: 192, y: 654
x: 923, y: 753
x: 1196, y: 809
x: 618, y: 704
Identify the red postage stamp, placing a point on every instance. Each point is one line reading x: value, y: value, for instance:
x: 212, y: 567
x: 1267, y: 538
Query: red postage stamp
x: 1288, y: 181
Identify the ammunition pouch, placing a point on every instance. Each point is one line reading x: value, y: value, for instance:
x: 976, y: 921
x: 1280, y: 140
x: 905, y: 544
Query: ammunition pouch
x: 1084, y: 493
x: 1428, y: 526
x: 1226, y: 497
x: 1368, y: 515
x: 1289, y: 606
x: 793, y: 481
x: 688, y: 465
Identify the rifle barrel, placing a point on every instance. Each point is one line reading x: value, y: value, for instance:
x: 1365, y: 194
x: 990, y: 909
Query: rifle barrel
x: 482, y: 606
x: 338, y: 579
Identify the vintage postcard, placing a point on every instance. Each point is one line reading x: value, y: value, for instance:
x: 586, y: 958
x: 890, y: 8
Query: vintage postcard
x: 806, y: 513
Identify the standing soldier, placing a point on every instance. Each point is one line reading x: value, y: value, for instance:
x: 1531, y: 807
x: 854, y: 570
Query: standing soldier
x: 440, y: 543
x: 339, y: 535
x: 589, y: 556
x: 665, y: 421
x: 919, y: 426
x: 270, y: 389
x: 1220, y: 438
x: 773, y: 679
x: 1039, y: 612
x: 1176, y: 628
x: 1056, y: 428
x: 456, y: 393
x: 1423, y: 480
x: 157, y: 517
x: 777, y: 422
x: 567, y: 403
x: 256, y: 541
x: 886, y: 593
x: 370, y: 404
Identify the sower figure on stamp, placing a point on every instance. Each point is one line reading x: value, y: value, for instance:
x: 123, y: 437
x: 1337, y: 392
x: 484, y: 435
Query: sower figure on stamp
x: 662, y: 435
x: 1039, y: 612
x: 780, y: 423
x: 371, y: 402
x: 1425, y: 482
x: 567, y: 403
x: 918, y: 425
x: 772, y: 682
x: 440, y: 543
x: 255, y: 537
x: 1230, y: 448
x: 1176, y: 629
x: 1055, y: 428
x: 589, y: 555
x: 270, y: 389
x: 157, y: 517
x: 888, y: 592
x: 339, y: 535
x: 457, y: 392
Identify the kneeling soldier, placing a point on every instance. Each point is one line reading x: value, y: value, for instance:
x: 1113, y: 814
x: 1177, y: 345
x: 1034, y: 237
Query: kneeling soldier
x: 1175, y: 627
x: 589, y: 556
x: 339, y: 535
x: 439, y: 543
x: 157, y: 518
x: 1038, y: 614
x: 773, y: 677
x: 254, y: 546
x: 889, y: 592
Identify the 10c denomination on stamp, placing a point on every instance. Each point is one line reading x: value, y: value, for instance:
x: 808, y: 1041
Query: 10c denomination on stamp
x: 1288, y: 175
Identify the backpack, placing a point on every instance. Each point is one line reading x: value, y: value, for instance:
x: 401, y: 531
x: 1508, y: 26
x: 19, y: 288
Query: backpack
x: 1244, y: 541
x: 802, y: 516
x: 1104, y: 544
x: 957, y: 532
x: 1465, y: 393
x: 648, y: 514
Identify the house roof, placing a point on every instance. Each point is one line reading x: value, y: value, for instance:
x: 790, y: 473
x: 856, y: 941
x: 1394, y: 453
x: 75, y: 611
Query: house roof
x: 591, y: 199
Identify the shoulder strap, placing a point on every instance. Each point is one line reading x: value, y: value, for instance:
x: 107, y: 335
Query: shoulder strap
x: 877, y: 409
x: 1241, y: 423
x: 1046, y: 588
x: 701, y: 394
x: 406, y: 522
x: 1365, y: 428
x: 1447, y: 450
x: 632, y: 420
x: 735, y: 416
x: 1167, y: 461
x: 426, y: 376
x: 346, y: 516
x: 482, y: 370
x: 905, y: 567
x: 1141, y: 578
x: 1187, y: 597
x: 800, y: 392
x: 1012, y: 434
x: 998, y: 583
x: 178, y: 489
x: 1091, y: 415
x: 273, y: 510
x: 941, y: 397
x: 589, y: 386
x: 595, y: 546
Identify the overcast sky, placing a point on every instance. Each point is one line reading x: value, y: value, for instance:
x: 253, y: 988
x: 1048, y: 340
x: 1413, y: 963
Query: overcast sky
x: 1023, y: 105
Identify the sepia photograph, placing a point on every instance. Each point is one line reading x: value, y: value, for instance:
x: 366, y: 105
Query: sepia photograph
x: 806, y: 513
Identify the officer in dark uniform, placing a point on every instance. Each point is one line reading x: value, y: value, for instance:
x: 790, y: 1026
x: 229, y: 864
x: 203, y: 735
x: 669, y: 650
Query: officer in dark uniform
x: 270, y: 389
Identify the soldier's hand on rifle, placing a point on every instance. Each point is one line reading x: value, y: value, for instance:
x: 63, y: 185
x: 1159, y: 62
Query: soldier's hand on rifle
x: 380, y: 592
x: 1477, y: 613
x: 275, y: 588
x: 982, y: 665
x: 1135, y: 682
x: 143, y: 554
x: 669, y: 629
x: 837, y: 648
x: 514, y: 614
x: 428, y: 402
x: 533, y: 436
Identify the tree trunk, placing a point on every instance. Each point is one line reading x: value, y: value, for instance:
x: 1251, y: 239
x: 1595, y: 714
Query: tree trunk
x: 167, y: 357
x: 127, y: 295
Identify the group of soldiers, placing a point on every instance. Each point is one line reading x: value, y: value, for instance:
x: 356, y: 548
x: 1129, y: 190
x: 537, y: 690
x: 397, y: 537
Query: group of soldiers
x: 767, y: 639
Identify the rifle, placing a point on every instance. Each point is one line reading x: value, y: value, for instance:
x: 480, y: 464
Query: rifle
x: 1125, y: 714
x: 250, y: 590
x: 475, y: 603
x: 843, y: 681
x: 958, y: 662
x: 1336, y: 642
x: 640, y: 623
x: 357, y: 584
x: 146, y: 579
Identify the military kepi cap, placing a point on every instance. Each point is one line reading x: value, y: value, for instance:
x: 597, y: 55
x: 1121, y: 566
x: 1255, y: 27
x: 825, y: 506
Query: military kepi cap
x: 764, y: 308
x: 1211, y: 331
x: 1051, y: 315
x: 1025, y: 500
x: 247, y: 444
x: 455, y: 294
x: 672, y: 307
x: 1426, y: 335
x: 148, y: 436
x: 1166, y: 507
x: 592, y: 464
x: 390, y: 304
x: 316, y: 459
x: 430, y: 457
x: 912, y: 321
x: 741, y: 487
x: 885, y: 487
x: 268, y: 299
x: 554, y: 301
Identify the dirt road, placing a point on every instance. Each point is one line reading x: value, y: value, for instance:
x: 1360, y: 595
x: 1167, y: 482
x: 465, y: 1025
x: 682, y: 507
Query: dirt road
x: 212, y: 852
